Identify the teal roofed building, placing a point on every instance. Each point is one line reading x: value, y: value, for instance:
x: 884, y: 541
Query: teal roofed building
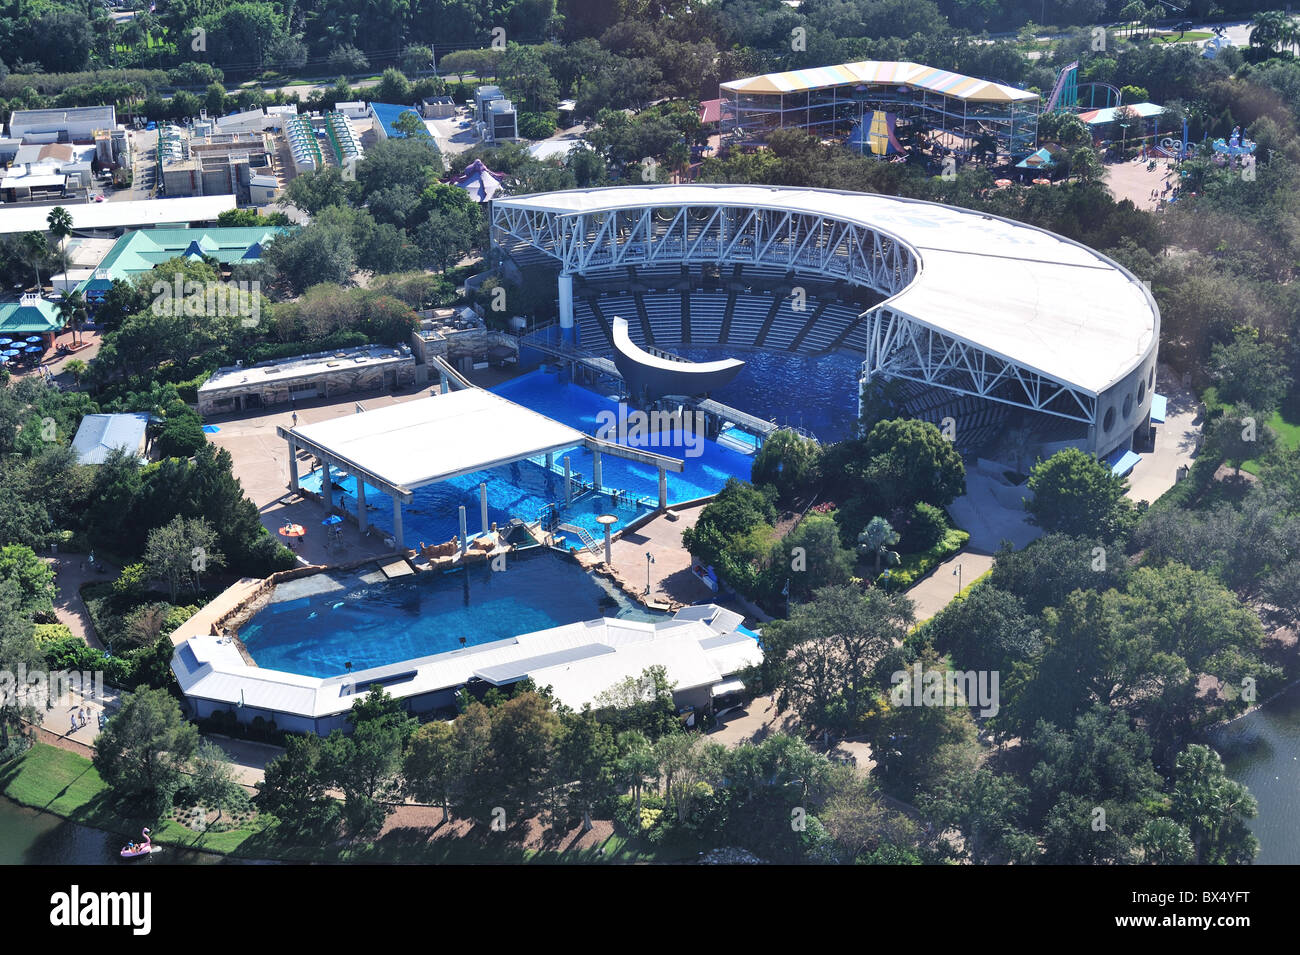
x: 138, y: 252
x: 30, y: 315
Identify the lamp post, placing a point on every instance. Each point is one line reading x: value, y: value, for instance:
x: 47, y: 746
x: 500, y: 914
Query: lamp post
x: 958, y: 573
x: 649, y: 559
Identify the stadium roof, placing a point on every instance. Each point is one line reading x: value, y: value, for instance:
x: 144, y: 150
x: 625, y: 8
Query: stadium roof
x: 135, y: 213
x: 1035, y: 298
x: 890, y: 72
x: 433, y: 439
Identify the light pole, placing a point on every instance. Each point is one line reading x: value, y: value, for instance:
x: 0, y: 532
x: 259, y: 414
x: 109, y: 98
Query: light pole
x: 958, y: 574
x: 649, y: 559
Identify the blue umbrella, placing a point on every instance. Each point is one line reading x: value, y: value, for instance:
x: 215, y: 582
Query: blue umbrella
x: 33, y: 348
x: 33, y: 338
x: 332, y: 519
x: 10, y: 352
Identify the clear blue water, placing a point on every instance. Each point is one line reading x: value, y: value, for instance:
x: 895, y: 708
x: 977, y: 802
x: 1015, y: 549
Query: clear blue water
x: 741, y: 437
x: 409, y: 617
x: 818, y: 393
x: 525, y: 488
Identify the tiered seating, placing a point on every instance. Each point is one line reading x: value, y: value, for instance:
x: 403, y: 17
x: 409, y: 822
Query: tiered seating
x: 707, y: 308
x: 747, y: 318
x: 977, y: 421
x: 664, y: 312
x: 593, y: 332
x: 834, y: 320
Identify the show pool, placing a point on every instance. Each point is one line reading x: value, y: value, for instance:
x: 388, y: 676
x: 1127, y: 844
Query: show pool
x: 525, y: 488
x: 386, y: 621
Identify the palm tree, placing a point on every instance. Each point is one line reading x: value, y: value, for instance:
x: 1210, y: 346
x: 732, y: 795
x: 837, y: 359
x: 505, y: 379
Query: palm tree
x: 59, y: 222
x: 72, y: 309
x: 878, y: 537
x: 1269, y: 30
x: 34, y: 247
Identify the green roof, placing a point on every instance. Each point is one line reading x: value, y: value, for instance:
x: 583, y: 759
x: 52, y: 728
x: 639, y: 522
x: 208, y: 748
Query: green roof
x: 29, y: 316
x: 139, y: 251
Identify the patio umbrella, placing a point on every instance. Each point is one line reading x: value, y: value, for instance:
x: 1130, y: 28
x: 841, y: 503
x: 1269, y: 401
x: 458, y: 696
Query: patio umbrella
x: 1002, y: 183
x: 293, y: 530
x: 10, y: 352
x: 33, y: 339
x: 33, y: 348
x: 332, y: 519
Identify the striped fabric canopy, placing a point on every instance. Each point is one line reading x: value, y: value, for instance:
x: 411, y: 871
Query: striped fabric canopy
x: 880, y: 71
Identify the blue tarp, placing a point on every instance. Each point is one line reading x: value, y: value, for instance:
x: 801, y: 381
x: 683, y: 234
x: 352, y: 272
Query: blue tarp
x: 1159, y: 405
x: 210, y: 429
x: 1121, y: 461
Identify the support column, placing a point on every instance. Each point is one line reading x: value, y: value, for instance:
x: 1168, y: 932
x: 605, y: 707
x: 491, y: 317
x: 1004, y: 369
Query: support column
x: 443, y: 385
x: 482, y: 505
x: 568, y: 486
x: 568, y: 334
x: 463, y: 530
x: 663, y: 489
x: 397, y: 523
x: 327, y: 484
x: 596, y: 474
x: 293, y: 466
x: 362, y: 521
x: 550, y: 460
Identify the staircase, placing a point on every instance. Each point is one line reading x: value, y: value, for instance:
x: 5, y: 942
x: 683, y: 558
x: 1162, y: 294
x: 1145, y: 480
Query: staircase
x: 588, y: 542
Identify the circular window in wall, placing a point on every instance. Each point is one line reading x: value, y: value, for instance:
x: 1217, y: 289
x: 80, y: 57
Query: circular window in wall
x: 1128, y: 406
x: 1109, y: 421
x: 1142, y: 391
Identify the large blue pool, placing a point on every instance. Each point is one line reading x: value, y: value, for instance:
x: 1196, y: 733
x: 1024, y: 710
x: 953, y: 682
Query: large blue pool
x: 525, y: 488
x: 347, y: 620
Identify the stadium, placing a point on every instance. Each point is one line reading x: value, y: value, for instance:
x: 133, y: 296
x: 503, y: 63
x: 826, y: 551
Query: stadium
x: 1012, y: 332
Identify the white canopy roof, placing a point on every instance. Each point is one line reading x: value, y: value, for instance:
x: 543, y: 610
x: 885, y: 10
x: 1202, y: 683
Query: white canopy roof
x: 131, y: 213
x: 1033, y: 297
x: 433, y: 439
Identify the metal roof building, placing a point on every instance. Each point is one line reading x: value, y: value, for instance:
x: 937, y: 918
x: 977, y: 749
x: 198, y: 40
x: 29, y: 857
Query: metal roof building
x: 968, y: 302
x: 99, y: 434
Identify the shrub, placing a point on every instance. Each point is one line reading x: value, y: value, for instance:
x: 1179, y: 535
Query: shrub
x: 925, y: 528
x: 44, y: 633
x: 180, y: 437
x: 536, y: 125
x: 916, y: 566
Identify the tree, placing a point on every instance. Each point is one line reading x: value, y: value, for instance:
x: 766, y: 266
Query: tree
x: 987, y: 628
x: 317, y: 190
x: 814, y: 556
x: 212, y: 781
x: 1054, y: 566
x: 1086, y: 165
x: 636, y: 765
x: 910, y: 460
x: 787, y: 461
x: 876, y: 539
x: 1075, y: 494
x: 416, y: 59
x: 181, y: 550
x: 1237, y: 435
x: 1250, y: 372
x: 295, y: 787
x: 524, y: 735
x: 18, y: 654
x: 347, y: 60
x: 432, y: 765
x: 821, y: 661
x: 586, y: 763
x: 72, y: 311
x: 991, y: 811
x: 1213, y: 808
x: 32, y: 576
x: 1165, y: 842
x: 145, y: 747
x: 59, y: 221
x: 366, y: 764
x: 34, y: 249
x: 410, y: 125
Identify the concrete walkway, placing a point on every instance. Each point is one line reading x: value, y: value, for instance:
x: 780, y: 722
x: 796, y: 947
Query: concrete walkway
x: 936, y: 591
x: 1175, y: 444
x: 70, y: 572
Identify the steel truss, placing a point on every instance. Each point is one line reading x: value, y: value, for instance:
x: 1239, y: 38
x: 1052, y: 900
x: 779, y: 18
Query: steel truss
x: 710, y: 235
x: 899, y: 346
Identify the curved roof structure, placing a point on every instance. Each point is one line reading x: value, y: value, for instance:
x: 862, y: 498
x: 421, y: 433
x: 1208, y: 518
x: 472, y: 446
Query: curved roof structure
x: 1010, y: 291
x: 652, y: 376
x: 892, y: 72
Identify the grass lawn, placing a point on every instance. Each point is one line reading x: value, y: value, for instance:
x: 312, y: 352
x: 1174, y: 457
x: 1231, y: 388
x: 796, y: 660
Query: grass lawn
x: 1288, y: 437
x: 1191, y: 36
x: 66, y: 784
